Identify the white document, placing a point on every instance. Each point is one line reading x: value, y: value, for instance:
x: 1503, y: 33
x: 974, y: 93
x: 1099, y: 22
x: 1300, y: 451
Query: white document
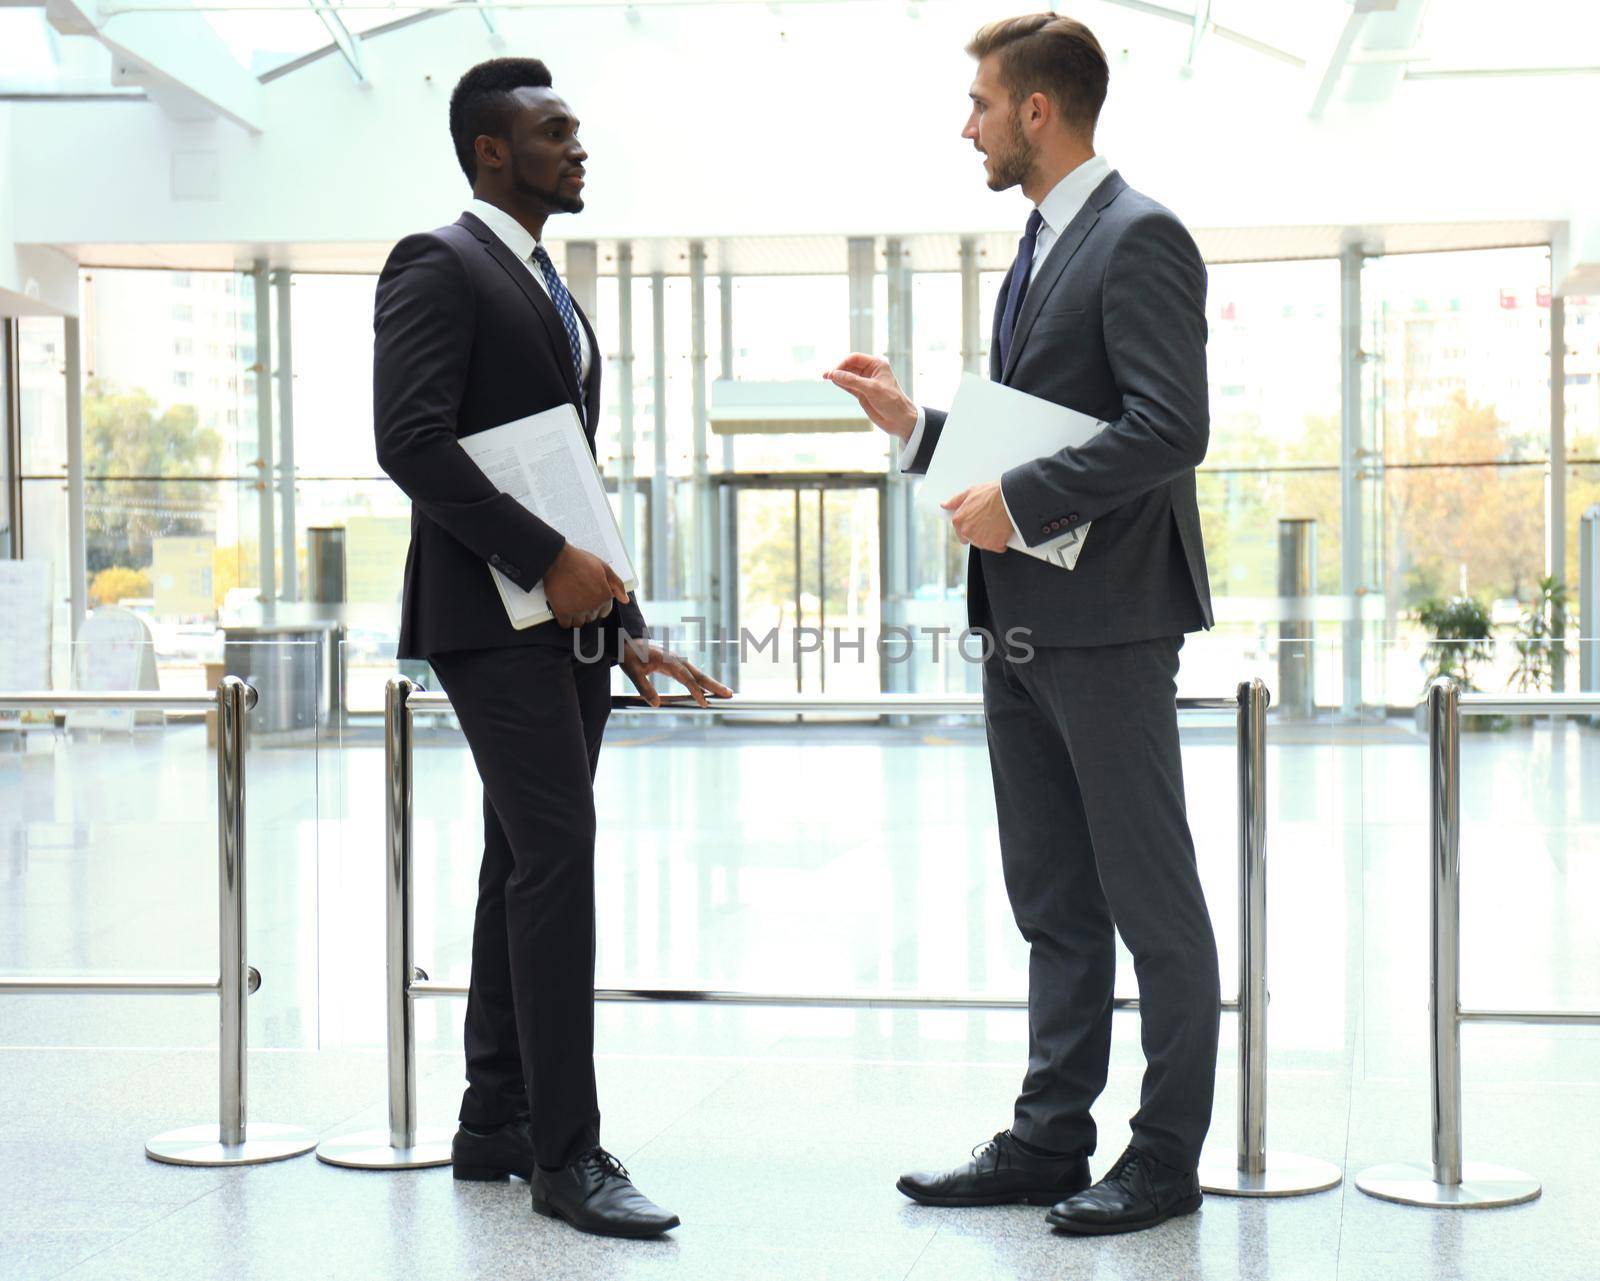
x: 992, y: 428
x: 545, y: 464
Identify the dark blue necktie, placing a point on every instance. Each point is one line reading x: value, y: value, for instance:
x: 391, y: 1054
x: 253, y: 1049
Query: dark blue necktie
x: 563, y: 301
x: 1021, y: 270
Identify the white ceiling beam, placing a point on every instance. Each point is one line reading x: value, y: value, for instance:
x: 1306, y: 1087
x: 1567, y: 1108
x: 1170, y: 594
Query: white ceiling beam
x: 1370, y: 56
x: 1197, y: 33
x: 177, y: 58
x: 344, y: 40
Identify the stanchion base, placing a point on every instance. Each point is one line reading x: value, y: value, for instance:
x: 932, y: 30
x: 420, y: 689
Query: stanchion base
x: 371, y: 1150
x: 202, y: 1145
x: 1285, y: 1174
x: 1482, y: 1186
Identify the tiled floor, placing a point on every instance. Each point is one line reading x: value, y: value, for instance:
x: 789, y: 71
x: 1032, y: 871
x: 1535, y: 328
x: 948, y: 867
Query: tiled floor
x: 781, y: 1163
x: 819, y: 859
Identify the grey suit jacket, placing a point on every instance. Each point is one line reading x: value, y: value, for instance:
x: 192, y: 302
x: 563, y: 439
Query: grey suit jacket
x: 1114, y: 326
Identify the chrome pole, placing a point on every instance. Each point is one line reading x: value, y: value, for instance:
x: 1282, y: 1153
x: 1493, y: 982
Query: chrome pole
x: 397, y: 916
x: 1444, y: 985
x: 231, y: 906
x: 788, y: 704
x: 428, y: 989
x: 1253, y: 1171
x: 391, y: 1150
x: 1447, y: 1182
x: 227, y: 1143
x: 59, y: 700
x: 53, y: 985
x: 401, y: 1147
x: 1252, y: 751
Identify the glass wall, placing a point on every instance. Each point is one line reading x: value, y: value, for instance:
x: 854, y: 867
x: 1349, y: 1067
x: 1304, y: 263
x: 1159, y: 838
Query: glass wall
x: 8, y: 463
x: 1273, y: 368
x: 1453, y: 473
x: 168, y: 442
x: 1459, y: 349
x: 1582, y: 327
x: 43, y: 462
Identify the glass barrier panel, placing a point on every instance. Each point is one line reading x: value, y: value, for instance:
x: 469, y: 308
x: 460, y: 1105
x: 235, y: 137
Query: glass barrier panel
x: 109, y: 818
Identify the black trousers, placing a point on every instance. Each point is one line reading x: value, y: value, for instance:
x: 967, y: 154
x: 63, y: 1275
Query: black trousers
x: 533, y: 716
x: 1095, y: 841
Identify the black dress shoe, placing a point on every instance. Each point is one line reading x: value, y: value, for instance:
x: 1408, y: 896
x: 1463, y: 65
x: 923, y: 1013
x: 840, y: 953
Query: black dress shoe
x: 483, y: 1158
x: 1137, y: 1192
x: 594, y: 1194
x: 1001, y: 1173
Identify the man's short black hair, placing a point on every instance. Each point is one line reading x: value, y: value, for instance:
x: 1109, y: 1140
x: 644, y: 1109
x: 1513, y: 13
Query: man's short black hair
x: 482, y: 103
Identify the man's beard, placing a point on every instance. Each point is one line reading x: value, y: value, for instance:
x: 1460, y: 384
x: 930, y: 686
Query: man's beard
x: 552, y: 198
x: 1013, y: 166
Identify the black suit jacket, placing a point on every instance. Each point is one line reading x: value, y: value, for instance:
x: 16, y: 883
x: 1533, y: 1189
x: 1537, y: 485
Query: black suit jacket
x: 465, y: 340
x: 1113, y: 325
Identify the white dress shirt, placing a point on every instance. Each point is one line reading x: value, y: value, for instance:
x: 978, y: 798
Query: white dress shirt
x: 1065, y: 201
x: 515, y: 237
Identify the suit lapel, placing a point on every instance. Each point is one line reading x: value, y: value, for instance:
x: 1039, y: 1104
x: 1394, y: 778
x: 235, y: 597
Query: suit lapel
x: 519, y: 273
x: 995, y: 371
x: 591, y: 393
x: 1061, y: 253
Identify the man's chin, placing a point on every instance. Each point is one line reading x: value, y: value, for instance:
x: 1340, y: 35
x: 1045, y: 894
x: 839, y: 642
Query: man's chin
x: 570, y: 204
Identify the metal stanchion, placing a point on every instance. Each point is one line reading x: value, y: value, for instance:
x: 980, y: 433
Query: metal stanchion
x: 1449, y: 1182
x: 1254, y: 1171
x: 231, y: 1141
x: 402, y: 1146
x: 226, y: 1143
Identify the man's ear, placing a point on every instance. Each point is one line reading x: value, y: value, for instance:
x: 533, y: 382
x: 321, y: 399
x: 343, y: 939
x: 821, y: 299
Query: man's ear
x: 488, y: 150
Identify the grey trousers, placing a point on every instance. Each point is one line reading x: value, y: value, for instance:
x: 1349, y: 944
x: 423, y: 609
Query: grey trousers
x: 1094, y: 839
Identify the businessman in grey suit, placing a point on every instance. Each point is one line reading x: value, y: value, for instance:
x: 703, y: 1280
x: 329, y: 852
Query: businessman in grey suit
x: 1103, y: 311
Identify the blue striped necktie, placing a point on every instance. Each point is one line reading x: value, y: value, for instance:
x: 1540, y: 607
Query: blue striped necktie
x: 564, y: 308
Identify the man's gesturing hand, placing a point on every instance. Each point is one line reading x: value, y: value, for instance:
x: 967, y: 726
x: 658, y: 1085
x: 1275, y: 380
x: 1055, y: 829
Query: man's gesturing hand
x: 870, y: 380
x: 580, y: 587
x: 640, y: 658
x: 980, y: 517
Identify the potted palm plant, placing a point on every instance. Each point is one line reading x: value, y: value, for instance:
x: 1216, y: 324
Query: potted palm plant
x: 1462, y: 639
x: 1537, y: 637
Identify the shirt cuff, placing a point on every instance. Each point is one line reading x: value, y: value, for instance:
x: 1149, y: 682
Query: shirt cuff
x: 1016, y: 531
x: 913, y: 442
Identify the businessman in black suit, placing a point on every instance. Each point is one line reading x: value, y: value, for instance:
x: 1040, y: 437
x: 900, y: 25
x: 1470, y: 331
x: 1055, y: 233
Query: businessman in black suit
x: 1103, y: 311
x: 474, y: 328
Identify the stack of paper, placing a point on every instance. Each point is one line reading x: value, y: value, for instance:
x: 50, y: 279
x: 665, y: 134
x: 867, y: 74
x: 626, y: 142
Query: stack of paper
x: 992, y: 428
x: 545, y: 464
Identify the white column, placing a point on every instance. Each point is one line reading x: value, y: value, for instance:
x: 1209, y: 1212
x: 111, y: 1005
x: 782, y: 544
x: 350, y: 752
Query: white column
x: 77, y: 550
x: 291, y: 565
x: 624, y: 393
x: 971, y: 321
x: 1351, y: 540
x: 702, y: 542
x: 1556, y: 524
x: 659, y: 482
x: 267, y: 558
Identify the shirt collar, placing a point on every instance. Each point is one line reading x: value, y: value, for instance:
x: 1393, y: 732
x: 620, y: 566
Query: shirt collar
x: 1070, y: 195
x: 511, y: 232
